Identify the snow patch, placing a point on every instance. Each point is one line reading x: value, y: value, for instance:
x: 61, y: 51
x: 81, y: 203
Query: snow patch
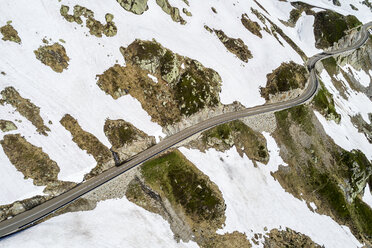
x: 345, y: 134
x: 255, y: 200
x: 367, y: 197
x: 153, y: 78
x: 113, y: 223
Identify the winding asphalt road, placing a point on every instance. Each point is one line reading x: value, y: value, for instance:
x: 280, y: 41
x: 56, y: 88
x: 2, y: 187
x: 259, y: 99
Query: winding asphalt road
x: 29, y: 217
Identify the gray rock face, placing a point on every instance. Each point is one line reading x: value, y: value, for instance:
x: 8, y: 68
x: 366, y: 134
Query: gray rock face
x: 135, y: 6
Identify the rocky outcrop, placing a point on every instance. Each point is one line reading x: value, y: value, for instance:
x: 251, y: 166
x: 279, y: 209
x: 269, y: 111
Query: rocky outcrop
x: 330, y: 27
x: 126, y: 139
x: 363, y: 126
x: 9, y: 33
x: 7, y: 126
x: 170, y: 10
x: 183, y: 86
x: 237, y: 134
x: 95, y: 27
x: 138, y: 7
x: 319, y: 171
x: 53, y: 56
x: 142, y: 195
x: 336, y: 2
x: 286, y: 78
x: 135, y: 6
x: 25, y: 107
x: 235, y: 46
x: 324, y: 103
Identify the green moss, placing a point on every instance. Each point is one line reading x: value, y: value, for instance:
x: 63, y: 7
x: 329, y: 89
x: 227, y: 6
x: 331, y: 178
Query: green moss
x: 294, y: 15
x: 355, y: 156
x: 364, y: 216
x: 330, y: 64
x: 167, y: 63
x: 323, y: 102
x: 221, y: 132
x: 288, y: 76
x: 193, y: 91
x: 181, y: 183
x: 329, y: 27
x: 323, y: 185
x: 149, y: 50
x: 126, y: 134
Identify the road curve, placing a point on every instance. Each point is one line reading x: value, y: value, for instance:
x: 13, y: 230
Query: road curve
x: 28, y: 218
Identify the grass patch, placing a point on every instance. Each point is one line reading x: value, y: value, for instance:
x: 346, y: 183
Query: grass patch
x: 298, y: 114
x: 364, y: 216
x: 329, y: 191
x: 183, y: 184
x: 149, y: 50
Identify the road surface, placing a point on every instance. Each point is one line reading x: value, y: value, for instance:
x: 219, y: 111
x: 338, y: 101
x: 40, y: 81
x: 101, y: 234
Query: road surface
x: 28, y: 218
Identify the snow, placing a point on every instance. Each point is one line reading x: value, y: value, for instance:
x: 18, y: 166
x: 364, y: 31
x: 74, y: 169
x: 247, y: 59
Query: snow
x: 113, y: 223
x: 345, y: 134
x: 361, y: 76
x: 74, y: 91
x: 367, y: 197
x: 312, y: 204
x: 153, y: 78
x: 255, y: 200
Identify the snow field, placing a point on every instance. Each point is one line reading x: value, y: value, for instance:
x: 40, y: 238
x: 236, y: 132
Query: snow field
x: 255, y: 200
x: 113, y: 223
x: 345, y: 134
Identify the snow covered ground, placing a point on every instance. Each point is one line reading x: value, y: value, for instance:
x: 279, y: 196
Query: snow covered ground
x: 74, y: 91
x: 113, y: 223
x: 119, y: 223
x: 255, y: 200
x: 345, y: 134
